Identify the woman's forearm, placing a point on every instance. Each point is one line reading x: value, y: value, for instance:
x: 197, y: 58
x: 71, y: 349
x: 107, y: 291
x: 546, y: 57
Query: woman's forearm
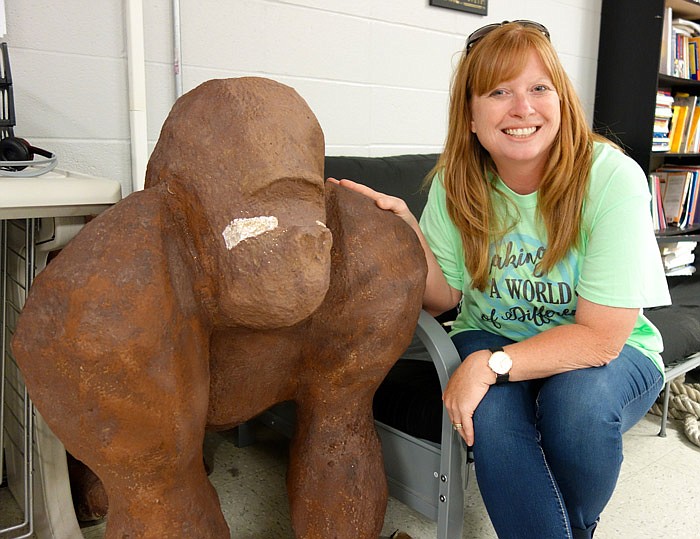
x: 595, y: 339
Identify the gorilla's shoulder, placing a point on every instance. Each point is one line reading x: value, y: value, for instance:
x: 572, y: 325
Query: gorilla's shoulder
x: 365, y: 232
x: 132, y: 229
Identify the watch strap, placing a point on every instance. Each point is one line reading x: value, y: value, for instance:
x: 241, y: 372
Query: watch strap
x: 502, y: 378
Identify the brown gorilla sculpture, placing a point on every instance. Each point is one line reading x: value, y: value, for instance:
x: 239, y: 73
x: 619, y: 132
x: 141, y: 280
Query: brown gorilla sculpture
x: 234, y: 281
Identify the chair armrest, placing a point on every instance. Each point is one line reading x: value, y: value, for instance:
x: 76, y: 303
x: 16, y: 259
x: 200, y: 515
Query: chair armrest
x: 454, y: 454
x: 439, y: 346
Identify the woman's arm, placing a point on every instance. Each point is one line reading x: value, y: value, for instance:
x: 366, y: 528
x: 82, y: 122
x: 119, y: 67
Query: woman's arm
x: 439, y: 296
x: 595, y: 339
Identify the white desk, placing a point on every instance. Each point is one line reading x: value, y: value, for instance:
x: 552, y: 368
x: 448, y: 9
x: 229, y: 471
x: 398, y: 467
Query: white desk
x: 56, y: 194
x: 37, y: 216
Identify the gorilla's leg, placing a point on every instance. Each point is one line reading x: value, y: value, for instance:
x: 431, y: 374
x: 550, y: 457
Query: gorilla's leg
x: 336, y: 480
x: 152, y: 468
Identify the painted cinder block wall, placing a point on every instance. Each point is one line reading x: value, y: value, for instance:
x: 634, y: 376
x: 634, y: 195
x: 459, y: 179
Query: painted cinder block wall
x: 375, y: 72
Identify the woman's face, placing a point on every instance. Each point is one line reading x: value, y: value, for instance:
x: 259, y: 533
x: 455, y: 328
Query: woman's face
x: 518, y: 120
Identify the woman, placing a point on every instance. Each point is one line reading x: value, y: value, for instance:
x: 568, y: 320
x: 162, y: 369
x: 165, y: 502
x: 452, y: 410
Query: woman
x: 541, y: 232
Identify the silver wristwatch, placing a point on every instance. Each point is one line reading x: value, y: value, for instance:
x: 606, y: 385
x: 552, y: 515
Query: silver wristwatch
x: 500, y: 363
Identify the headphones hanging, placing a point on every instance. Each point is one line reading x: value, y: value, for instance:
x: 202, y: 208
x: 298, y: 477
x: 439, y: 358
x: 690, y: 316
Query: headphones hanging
x: 17, y: 159
x: 16, y: 154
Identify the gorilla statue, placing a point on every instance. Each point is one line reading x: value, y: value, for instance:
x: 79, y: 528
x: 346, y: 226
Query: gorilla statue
x: 235, y: 280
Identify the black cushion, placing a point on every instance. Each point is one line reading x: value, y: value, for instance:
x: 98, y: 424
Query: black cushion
x: 397, y: 175
x: 679, y: 323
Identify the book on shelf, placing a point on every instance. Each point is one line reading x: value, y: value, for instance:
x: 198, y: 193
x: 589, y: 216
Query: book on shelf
x: 661, y: 141
x: 693, y: 205
x: 666, y: 60
x: 680, y: 67
x: 690, y: 112
x: 675, y: 191
x: 675, y: 195
x: 664, y: 100
x: 693, y: 140
x: 687, y: 197
x: 680, y: 47
x: 686, y: 26
x: 656, y: 185
x: 680, y: 114
x: 685, y: 104
x: 678, y: 258
x: 682, y: 271
x: 674, y: 184
x: 685, y: 54
x: 674, y: 124
x: 693, y: 48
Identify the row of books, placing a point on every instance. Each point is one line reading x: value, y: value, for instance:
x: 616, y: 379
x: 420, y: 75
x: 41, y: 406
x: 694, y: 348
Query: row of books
x: 680, y: 47
x: 675, y: 191
x: 662, y: 121
x: 676, y: 122
x: 678, y: 258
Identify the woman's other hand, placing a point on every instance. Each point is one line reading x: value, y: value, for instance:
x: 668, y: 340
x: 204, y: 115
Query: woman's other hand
x: 382, y: 200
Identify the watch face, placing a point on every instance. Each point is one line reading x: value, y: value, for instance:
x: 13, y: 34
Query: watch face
x: 500, y: 362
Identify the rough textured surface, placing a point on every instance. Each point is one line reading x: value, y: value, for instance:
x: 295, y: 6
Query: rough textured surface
x: 150, y: 326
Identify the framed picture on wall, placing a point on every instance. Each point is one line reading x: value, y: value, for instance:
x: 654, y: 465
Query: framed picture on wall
x: 472, y: 6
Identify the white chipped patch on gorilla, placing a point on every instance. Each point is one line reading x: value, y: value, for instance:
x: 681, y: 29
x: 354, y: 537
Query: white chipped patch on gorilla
x: 247, y: 227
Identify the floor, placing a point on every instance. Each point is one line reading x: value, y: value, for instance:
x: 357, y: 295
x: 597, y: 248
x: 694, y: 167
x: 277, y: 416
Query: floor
x: 658, y: 494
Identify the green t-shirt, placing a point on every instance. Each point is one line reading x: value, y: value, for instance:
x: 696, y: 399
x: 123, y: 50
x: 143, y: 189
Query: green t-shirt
x: 618, y: 263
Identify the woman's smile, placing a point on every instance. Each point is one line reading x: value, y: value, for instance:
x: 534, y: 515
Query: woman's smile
x: 520, y: 132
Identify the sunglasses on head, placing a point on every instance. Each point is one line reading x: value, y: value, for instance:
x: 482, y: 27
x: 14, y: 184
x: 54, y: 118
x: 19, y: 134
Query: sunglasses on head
x: 476, y: 35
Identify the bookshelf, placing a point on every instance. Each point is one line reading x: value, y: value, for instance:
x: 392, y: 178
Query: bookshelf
x: 628, y: 77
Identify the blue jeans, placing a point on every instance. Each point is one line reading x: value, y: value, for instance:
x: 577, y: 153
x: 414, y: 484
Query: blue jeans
x: 547, y: 452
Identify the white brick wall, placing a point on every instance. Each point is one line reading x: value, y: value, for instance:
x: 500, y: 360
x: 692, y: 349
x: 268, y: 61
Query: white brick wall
x: 376, y: 73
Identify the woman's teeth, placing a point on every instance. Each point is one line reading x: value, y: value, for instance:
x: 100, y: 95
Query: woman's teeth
x: 521, y: 132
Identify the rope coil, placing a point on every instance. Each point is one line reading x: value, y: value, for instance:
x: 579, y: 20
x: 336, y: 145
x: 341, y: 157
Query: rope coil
x: 683, y: 404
